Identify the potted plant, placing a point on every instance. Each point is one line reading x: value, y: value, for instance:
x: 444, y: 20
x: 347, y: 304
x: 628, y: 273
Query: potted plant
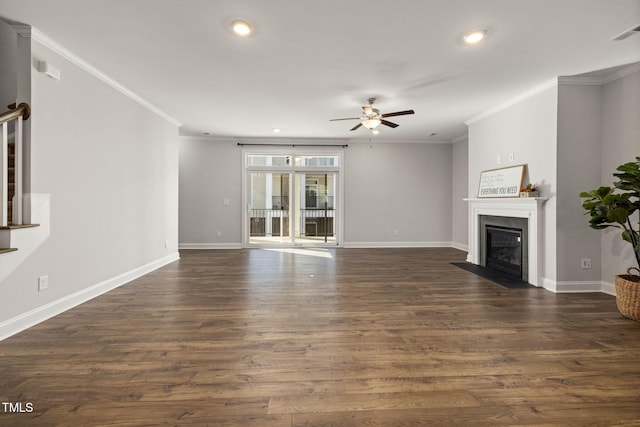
x: 529, y: 191
x: 619, y: 207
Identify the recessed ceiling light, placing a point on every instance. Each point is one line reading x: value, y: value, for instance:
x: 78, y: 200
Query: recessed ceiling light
x: 276, y: 130
x: 474, y: 36
x: 242, y: 28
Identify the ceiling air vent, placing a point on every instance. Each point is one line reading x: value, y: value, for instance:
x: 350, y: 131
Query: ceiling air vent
x: 628, y: 33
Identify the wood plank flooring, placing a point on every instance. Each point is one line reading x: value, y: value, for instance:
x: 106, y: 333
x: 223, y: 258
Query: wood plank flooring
x: 340, y: 337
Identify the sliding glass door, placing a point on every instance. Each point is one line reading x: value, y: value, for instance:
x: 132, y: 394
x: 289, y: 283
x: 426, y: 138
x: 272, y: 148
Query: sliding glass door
x: 292, y: 200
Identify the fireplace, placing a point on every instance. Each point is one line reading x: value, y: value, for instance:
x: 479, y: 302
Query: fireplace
x: 504, y: 250
x: 523, y: 213
x: 504, y: 244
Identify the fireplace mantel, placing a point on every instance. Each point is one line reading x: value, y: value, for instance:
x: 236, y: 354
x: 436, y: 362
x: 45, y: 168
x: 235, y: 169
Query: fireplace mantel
x: 517, y: 207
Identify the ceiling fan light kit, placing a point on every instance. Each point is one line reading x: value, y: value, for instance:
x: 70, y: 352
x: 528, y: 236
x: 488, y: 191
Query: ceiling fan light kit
x: 371, y: 117
x: 371, y: 123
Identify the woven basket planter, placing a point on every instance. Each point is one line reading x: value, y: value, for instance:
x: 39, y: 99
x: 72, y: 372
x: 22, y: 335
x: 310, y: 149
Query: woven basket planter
x: 628, y: 295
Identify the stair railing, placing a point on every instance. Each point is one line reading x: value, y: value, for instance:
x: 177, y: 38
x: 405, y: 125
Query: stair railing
x: 16, y: 114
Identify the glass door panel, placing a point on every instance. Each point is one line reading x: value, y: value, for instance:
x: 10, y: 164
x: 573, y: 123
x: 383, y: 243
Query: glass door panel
x: 269, y: 208
x: 315, y: 208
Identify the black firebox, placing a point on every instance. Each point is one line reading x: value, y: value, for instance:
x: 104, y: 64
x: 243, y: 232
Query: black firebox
x: 504, y: 250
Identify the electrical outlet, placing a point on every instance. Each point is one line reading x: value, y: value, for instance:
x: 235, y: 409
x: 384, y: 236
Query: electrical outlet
x: 218, y: 233
x: 512, y: 157
x: 395, y: 233
x: 166, y: 244
x: 43, y: 283
x: 586, y: 263
x: 499, y: 160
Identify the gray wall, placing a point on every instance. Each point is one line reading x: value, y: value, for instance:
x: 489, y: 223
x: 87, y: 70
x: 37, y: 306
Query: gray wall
x: 528, y: 130
x: 460, y: 191
x: 210, y: 171
x: 8, y: 70
x: 388, y: 187
x: 579, y: 118
x: 110, y: 167
x: 620, y: 144
x: 399, y: 187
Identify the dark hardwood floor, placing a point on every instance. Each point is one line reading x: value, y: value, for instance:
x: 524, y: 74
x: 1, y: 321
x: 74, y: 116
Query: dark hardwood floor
x: 341, y: 337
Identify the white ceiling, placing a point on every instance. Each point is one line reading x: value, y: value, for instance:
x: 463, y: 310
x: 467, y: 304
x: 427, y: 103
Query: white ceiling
x: 311, y: 61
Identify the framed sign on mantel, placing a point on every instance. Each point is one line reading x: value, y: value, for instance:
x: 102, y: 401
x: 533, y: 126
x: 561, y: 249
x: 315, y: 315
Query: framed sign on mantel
x: 503, y: 182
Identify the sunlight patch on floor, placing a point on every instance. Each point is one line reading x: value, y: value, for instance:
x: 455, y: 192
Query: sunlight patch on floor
x: 316, y: 252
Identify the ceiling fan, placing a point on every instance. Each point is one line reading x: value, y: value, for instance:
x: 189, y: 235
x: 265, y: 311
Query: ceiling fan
x: 371, y: 117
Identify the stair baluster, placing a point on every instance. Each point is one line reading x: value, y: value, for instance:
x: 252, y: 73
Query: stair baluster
x: 11, y: 174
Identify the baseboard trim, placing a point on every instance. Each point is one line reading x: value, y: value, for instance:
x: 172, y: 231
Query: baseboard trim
x: 565, y: 287
x: 608, y: 288
x: 460, y: 246
x: 373, y: 245
x: 210, y: 246
x: 40, y: 314
x: 363, y: 245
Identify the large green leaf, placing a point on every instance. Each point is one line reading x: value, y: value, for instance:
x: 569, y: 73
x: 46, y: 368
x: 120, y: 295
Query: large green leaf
x: 602, y: 192
x: 629, y: 178
x: 617, y: 206
x: 626, y: 236
x: 618, y: 215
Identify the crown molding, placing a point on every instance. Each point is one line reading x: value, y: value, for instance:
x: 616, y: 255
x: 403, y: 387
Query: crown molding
x: 463, y: 137
x: 580, y: 81
x: 22, y: 30
x: 602, y: 80
x: 286, y: 141
x: 623, y: 72
x: 558, y: 81
x: 48, y: 42
x: 390, y: 140
x: 213, y: 138
x: 513, y: 101
x: 302, y: 141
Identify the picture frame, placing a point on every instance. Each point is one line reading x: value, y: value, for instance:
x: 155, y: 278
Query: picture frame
x: 501, y: 182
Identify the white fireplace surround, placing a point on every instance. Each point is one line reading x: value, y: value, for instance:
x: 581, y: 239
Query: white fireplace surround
x: 517, y: 207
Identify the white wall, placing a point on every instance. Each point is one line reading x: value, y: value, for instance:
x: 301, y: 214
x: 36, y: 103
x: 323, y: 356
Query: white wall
x: 620, y: 144
x: 460, y: 191
x: 528, y: 130
x: 110, y: 166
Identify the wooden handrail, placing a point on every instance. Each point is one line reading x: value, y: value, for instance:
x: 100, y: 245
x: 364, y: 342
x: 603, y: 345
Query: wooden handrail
x: 14, y: 112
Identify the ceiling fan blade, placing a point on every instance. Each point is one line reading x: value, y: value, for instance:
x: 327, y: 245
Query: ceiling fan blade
x: 399, y: 113
x: 346, y: 118
x: 356, y: 126
x: 388, y: 123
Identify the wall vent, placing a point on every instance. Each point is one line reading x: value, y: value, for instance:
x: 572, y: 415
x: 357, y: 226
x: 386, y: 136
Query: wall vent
x: 627, y: 33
